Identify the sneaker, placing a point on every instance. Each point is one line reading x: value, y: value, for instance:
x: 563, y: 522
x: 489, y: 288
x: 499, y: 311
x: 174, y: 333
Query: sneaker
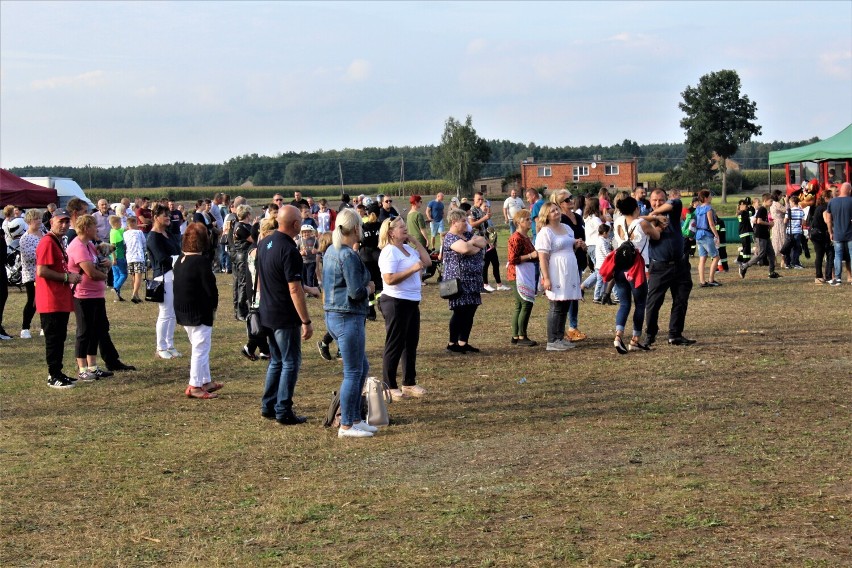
x: 714, y: 283
x: 87, y: 376
x: 413, y: 390
x: 455, y: 348
x: 175, y: 353
x: 3, y: 335
x: 41, y: 333
x: 526, y: 342
x: 136, y: 300
x: 118, y: 297
x: 164, y: 354
x: 556, y: 346
x: 365, y: 427
x: 798, y: 267
x: 397, y: 394
x: 681, y: 341
x: 264, y: 355
x: 25, y: 334
x: 323, y: 350
x: 503, y: 287
x: 774, y: 275
x: 468, y: 348
x: 568, y: 344
x: 60, y: 382
x: 836, y: 282
x: 514, y: 341
x: 102, y: 374
x: 743, y: 270
x: 248, y: 354
x: 488, y: 288
x: 596, y: 301
x: 353, y: 432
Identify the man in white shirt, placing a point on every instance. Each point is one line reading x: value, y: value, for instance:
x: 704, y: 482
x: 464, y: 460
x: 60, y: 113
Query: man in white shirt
x: 512, y: 205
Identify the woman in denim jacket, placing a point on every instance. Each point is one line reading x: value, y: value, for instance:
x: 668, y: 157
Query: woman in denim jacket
x: 346, y: 287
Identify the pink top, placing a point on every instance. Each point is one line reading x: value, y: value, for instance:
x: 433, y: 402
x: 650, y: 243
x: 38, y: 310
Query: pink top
x: 86, y: 288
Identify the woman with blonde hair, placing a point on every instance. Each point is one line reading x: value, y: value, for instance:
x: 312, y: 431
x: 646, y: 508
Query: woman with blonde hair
x: 555, y: 244
x: 566, y: 203
x: 28, y: 245
x: 195, y: 301
x: 401, y: 262
x: 346, y: 287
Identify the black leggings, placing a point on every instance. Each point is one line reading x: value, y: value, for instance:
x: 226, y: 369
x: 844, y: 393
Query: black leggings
x: 823, y: 251
x: 491, y: 260
x: 402, y: 335
x: 91, y: 325
x: 461, y: 322
x: 29, y: 307
x: 4, y: 291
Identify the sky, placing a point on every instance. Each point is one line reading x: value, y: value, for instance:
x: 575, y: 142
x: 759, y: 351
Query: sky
x: 130, y: 83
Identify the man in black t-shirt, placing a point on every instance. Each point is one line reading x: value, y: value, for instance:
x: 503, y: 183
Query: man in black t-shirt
x: 175, y: 221
x: 284, y: 312
x: 765, y: 252
x: 668, y: 270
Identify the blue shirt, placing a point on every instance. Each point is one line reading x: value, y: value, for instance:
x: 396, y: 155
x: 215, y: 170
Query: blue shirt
x: 669, y: 247
x: 536, y: 209
x: 344, y: 281
x: 436, y: 210
x: 702, y: 225
x: 841, y: 213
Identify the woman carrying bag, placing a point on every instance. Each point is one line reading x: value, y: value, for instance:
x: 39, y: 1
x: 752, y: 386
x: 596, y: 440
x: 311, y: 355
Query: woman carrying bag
x: 161, y: 247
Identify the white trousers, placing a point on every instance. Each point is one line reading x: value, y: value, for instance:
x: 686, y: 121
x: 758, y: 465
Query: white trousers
x: 166, y: 317
x: 199, y: 364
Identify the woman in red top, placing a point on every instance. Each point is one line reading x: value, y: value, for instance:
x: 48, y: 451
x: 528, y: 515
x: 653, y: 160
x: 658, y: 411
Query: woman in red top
x: 521, y: 270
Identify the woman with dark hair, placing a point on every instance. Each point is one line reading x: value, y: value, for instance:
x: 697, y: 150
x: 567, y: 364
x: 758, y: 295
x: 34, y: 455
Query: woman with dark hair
x: 195, y: 301
x: 819, y: 237
x: 631, y: 283
x: 521, y: 268
x: 463, y: 254
x: 369, y: 253
x: 89, y: 302
x: 161, y: 247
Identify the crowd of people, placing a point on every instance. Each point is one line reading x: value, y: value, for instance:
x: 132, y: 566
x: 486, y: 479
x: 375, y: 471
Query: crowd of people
x: 366, y: 257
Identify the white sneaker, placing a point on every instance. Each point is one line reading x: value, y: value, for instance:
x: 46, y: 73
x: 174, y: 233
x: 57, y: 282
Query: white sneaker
x: 175, y: 353
x: 556, y: 346
x: 25, y: 334
x: 365, y: 427
x: 488, y: 288
x: 41, y: 333
x: 164, y: 354
x: 503, y: 287
x: 353, y: 433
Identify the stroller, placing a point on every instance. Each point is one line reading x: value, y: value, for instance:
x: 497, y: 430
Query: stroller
x: 436, y: 267
x: 13, y: 264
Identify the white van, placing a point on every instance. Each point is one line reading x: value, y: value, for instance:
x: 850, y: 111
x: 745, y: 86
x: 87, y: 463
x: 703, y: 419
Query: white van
x: 66, y: 188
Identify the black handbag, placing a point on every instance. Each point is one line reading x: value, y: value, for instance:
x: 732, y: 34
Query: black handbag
x: 449, y: 289
x: 155, y: 291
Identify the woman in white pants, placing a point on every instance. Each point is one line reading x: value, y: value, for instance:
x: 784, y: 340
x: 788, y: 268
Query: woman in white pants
x: 195, y: 302
x: 161, y: 247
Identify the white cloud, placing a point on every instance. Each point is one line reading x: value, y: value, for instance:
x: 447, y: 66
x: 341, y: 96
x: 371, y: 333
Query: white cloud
x: 146, y: 92
x: 476, y: 46
x: 838, y: 64
x: 358, y: 70
x: 87, y: 79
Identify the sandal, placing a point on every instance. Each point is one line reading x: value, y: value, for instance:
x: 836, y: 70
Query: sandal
x: 576, y: 335
x: 618, y: 343
x: 636, y: 345
x: 213, y: 387
x: 203, y: 394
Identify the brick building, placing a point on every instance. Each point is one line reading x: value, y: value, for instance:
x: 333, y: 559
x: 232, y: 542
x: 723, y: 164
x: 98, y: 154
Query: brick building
x: 612, y: 174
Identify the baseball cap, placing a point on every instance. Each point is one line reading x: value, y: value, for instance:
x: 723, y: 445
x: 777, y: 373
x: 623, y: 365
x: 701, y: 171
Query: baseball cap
x: 60, y: 213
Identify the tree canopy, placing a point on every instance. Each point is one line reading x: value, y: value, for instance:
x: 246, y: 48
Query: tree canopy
x: 718, y: 120
x: 460, y: 156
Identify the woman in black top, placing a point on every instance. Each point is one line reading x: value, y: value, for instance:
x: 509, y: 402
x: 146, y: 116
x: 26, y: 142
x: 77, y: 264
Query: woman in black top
x: 161, y: 247
x: 819, y: 237
x: 195, y: 301
x: 369, y: 252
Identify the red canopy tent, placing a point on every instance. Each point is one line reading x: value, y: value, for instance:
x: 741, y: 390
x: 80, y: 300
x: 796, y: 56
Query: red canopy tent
x: 20, y: 192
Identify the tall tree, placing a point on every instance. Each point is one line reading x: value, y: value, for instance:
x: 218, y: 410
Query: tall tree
x: 461, y: 154
x: 718, y: 119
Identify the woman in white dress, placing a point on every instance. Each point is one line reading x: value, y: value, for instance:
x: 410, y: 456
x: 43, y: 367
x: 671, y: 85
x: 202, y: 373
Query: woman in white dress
x: 555, y: 244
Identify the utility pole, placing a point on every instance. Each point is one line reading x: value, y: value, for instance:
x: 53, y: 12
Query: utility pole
x: 90, y: 176
x: 402, y: 176
x: 340, y: 170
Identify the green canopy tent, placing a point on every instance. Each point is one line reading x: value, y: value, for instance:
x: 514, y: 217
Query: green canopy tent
x: 838, y: 147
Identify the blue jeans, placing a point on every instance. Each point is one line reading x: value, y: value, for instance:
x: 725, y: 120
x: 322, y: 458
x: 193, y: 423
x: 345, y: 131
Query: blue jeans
x: 349, y: 330
x: 625, y: 292
x: 285, y: 358
x: 224, y: 258
x: 838, y: 257
x: 119, y: 273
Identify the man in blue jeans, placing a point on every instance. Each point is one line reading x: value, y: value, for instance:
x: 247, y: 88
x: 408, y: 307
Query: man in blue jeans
x: 838, y: 217
x: 284, y: 312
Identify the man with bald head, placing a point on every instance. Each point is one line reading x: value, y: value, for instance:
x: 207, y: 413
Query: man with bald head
x: 838, y: 217
x: 284, y: 314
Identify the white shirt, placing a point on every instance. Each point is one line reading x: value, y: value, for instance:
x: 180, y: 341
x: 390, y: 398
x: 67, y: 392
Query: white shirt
x: 134, y: 242
x: 512, y: 205
x: 638, y: 236
x: 592, y: 223
x: 392, y: 260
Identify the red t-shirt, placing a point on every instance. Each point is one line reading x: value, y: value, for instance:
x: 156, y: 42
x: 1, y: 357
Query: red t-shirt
x: 50, y: 295
x: 143, y: 213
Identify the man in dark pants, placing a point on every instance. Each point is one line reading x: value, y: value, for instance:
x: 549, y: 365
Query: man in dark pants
x: 669, y: 270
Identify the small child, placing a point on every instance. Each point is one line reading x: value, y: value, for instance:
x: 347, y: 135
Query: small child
x: 307, y: 243
x: 744, y: 215
x: 601, y: 251
x: 119, y: 264
x: 305, y: 211
x: 134, y: 246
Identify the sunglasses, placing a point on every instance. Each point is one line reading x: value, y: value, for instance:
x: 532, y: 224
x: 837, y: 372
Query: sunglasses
x: 388, y: 200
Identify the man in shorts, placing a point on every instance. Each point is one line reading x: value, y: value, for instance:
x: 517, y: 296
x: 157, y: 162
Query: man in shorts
x: 435, y: 217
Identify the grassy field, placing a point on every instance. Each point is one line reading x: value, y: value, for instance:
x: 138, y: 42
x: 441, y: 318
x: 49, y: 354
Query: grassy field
x: 732, y: 452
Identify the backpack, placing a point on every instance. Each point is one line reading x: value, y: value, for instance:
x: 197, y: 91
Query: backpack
x: 625, y: 254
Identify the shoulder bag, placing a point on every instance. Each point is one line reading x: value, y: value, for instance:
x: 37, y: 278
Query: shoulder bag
x: 378, y: 397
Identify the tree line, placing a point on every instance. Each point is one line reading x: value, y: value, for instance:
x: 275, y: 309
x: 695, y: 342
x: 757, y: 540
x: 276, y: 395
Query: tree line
x: 379, y: 165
